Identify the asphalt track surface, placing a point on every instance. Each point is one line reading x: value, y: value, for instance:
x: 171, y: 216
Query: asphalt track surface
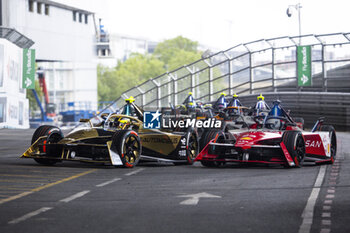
x: 78, y: 197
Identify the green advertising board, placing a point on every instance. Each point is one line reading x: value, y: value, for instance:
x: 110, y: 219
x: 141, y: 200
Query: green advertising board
x: 28, y: 78
x: 304, y: 66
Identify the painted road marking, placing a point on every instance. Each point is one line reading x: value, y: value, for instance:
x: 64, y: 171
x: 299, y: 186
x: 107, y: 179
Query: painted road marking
x: 308, y: 213
x: 134, y: 172
x: 108, y: 182
x: 326, y: 222
x: 29, y: 215
x: 45, y: 186
x: 328, y: 202
x: 193, y: 199
x: 75, y: 196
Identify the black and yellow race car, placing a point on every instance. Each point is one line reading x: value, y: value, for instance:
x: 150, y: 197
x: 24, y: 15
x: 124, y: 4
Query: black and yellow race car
x: 116, y: 139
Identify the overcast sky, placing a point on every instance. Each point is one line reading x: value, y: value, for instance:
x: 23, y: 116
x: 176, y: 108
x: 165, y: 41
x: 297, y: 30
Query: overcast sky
x: 218, y: 23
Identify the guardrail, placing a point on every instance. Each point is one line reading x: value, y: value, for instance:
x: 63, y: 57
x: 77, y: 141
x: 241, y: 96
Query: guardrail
x: 262, y: 66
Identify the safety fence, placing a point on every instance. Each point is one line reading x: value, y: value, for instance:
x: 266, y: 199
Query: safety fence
x: 267, y: 65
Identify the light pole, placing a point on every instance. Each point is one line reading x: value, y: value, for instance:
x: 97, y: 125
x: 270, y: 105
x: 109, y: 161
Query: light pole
x: 289, y: 13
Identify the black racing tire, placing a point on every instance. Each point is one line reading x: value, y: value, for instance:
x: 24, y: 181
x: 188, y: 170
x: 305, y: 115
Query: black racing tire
x: 295, y: 144
x: 208, y: 135
x: 192, y: 145
x: 333, y: 137
x: 299, y: 120
x: 54, y: 134
x: 207, y: 163
x: 128, y: 145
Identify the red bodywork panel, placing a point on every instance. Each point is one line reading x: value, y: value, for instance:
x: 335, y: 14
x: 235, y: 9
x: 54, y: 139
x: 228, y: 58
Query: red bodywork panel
x: 314, y: 146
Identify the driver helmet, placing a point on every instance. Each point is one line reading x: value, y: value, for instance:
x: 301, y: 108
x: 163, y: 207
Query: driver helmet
x: 189, y: 102
x: 122, y: 122
x: 222, y: 102
x: 274, y: 123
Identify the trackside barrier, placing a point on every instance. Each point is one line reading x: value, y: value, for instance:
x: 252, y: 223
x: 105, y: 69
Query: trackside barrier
x: 335, y: 107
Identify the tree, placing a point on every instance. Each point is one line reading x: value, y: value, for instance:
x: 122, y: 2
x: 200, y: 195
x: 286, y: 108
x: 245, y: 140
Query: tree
x: 137, y: 69
x: 33, y: 105
x: 168, y: 55
x: 167, y: 50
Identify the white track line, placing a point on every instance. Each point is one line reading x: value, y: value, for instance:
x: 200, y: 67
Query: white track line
x: 308, y: 213
x: 108, y: 182
x: 134, y: 172
x: 29, y: 215
x: 75, y: 196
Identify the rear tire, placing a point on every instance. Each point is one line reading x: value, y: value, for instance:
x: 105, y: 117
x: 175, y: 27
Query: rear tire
x: 295, y: 144
x: 128, y: 145
x: 206, y: 163
x: 333, y: 137
x: 54, y: 134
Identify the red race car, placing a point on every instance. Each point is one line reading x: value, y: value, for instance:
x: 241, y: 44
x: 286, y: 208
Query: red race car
x: 279, y: 141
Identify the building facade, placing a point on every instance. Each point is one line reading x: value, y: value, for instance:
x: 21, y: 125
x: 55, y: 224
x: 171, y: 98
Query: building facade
x: 64, y: 39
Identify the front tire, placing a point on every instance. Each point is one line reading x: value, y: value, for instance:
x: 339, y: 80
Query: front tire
x: 207, y: 136
x: 128, y: 145
x: 295, y: 144
x: 54, y: 134
x: 192, y: 145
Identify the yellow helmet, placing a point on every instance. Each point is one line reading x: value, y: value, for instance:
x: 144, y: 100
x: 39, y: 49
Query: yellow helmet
x: 130, y: 99
x: 222, y: 93
x: 190, y: 93
x: 261, y: 97
x: 235, y: 95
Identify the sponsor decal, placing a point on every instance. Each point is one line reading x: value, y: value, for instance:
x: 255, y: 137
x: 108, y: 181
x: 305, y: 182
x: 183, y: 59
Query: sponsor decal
x: 160, y: 140
x: 312, y: 143
x: 247, y: 138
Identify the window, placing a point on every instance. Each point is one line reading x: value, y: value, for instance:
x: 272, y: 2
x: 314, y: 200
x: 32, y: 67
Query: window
x: 47, y: 9
x: 80, y: 17
x: 38, y: 7
x: 31, y: 5
x: 74, y: 16
x: 86, y: 18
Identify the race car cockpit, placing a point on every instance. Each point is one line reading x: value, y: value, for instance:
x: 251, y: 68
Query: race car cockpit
x: 130, y: 109
x: 278, y: 118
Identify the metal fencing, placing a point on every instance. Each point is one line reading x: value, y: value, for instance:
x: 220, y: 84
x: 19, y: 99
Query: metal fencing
x: 267, y: 65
